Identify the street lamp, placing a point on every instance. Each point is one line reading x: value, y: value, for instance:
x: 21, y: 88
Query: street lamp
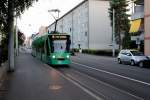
x: 56, y: 18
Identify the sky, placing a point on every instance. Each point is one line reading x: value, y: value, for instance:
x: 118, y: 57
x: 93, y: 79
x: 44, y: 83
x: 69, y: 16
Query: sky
x: 37, y: 15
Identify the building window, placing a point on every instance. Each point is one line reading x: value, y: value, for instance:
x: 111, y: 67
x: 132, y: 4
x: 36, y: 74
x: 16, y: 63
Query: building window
x: 85, y: 33
x: 70, y: 29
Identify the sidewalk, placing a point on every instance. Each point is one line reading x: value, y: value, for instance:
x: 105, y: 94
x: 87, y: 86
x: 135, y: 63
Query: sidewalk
x: 3, y: 75
x: 32, y: 80
x: 3, y: 71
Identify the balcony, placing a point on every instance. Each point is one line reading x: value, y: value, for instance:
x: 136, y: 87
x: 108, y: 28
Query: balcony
x: 138, y: 12
x: 139, y: 2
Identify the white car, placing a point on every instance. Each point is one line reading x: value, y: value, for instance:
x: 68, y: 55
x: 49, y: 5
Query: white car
x: 132, y: 57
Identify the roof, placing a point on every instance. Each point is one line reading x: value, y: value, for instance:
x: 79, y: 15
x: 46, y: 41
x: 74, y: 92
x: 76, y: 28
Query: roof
x: 139, y: 2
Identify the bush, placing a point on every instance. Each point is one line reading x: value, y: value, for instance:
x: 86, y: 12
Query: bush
x: 75, y: 50
x: 99, y: 52
x: 4, y: 48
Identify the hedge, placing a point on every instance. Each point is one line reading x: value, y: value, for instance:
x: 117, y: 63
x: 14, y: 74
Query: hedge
x: 97, y: 52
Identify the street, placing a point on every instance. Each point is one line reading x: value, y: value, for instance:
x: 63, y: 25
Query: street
x: 115, y: 81
x: 88, y: 77
x: 75, y: 50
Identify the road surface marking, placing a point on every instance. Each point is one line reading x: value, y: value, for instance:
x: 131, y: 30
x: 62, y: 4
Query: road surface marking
x: 72, y: 78
x: 138, y: 81
x: 102, y: 64
x: 55, y: 87
x: 77, y: 84
x: 106, y: 84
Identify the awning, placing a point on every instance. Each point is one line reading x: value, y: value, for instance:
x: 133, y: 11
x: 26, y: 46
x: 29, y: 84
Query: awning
x: 135, y: 26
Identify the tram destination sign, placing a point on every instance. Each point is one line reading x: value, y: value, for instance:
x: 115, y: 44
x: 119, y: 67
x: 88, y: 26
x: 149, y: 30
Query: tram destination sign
x: 59, y: 37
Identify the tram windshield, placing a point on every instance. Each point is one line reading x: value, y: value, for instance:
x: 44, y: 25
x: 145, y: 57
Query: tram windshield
x: 60, y: 43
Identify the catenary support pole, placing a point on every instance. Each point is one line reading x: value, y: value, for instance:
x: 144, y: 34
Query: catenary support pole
x: 16, y: 38
x: 113, y: 34
x: 10, y: 35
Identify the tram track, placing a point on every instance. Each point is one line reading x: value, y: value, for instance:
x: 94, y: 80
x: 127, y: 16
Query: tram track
x: 107, y: 91
x: 94, y: 86
x: 75, y: 82
x: 114, y: 74
x: 101, y: 83
x: 129, y: 86
x: 114, y: 67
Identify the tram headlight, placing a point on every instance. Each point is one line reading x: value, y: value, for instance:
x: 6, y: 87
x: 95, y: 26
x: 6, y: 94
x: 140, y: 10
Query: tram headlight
x: 53, y: 56
x: 67, y: 56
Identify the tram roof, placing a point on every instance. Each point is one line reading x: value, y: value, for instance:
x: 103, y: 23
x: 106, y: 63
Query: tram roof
x: 47, y: 34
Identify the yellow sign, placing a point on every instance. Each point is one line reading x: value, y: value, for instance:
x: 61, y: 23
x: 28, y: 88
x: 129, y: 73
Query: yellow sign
x: 59, y: 37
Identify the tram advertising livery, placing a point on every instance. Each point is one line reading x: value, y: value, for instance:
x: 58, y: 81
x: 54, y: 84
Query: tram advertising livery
x: 52, y: 48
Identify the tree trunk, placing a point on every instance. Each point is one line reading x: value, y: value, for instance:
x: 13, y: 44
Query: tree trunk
x: 10, y: 35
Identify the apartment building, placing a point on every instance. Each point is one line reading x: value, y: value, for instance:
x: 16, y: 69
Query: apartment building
x: 141, y: 24
x: 88, y: 24
x: 137, y: 25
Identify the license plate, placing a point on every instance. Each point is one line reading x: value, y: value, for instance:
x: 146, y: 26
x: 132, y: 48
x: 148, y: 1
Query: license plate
x: 59, y: 62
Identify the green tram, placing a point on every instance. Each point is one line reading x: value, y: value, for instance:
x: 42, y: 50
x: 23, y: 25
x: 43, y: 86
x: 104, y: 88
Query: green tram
x: 53, y: 49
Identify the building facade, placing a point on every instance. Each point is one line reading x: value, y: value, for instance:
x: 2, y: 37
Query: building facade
x: 88, y: 24
x: 137, y: 25
x: 141, y: 24
x: 147, y: 26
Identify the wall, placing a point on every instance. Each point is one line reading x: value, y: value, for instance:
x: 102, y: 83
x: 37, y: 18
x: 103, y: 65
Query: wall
x: 99, y: 25
x: 147, y: 26
x: 80, y: 26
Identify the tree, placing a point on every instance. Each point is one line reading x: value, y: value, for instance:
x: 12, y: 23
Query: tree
x: 121, y: 20
x: 8, y: 10
x: 21, y: 37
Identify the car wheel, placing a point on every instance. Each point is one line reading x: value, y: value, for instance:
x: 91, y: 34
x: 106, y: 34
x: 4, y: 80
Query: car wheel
x: 132, y: 63
x: 141, y: 64
x: 119, y: 61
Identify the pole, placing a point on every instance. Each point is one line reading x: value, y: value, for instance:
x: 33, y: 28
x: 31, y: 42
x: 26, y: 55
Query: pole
x: 16, y: 38
x: 10, y: 35
x: 56, y: 18
x: 55, y: 26
x: 72, y: 31
x: 113, y: 38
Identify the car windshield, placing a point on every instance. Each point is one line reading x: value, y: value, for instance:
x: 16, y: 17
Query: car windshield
x: 137, y: 53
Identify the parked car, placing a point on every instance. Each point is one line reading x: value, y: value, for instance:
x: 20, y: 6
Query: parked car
x: 133, y: 57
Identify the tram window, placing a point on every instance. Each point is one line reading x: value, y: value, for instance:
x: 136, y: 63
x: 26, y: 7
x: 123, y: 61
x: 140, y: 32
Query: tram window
x: 68, y: 44
x: 42, y: 49
x: 51, y: 46
x: 59, y: 45
x: 47, y: 47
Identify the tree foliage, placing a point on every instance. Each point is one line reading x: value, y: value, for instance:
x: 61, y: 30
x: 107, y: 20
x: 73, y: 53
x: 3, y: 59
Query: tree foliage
x: 121, y: 19
x: 19, y: 6
x: 21, y: 37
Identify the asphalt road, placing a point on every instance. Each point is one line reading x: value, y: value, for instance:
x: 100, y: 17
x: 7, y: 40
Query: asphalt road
x: 113, y: 81
x: 88, y: 77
